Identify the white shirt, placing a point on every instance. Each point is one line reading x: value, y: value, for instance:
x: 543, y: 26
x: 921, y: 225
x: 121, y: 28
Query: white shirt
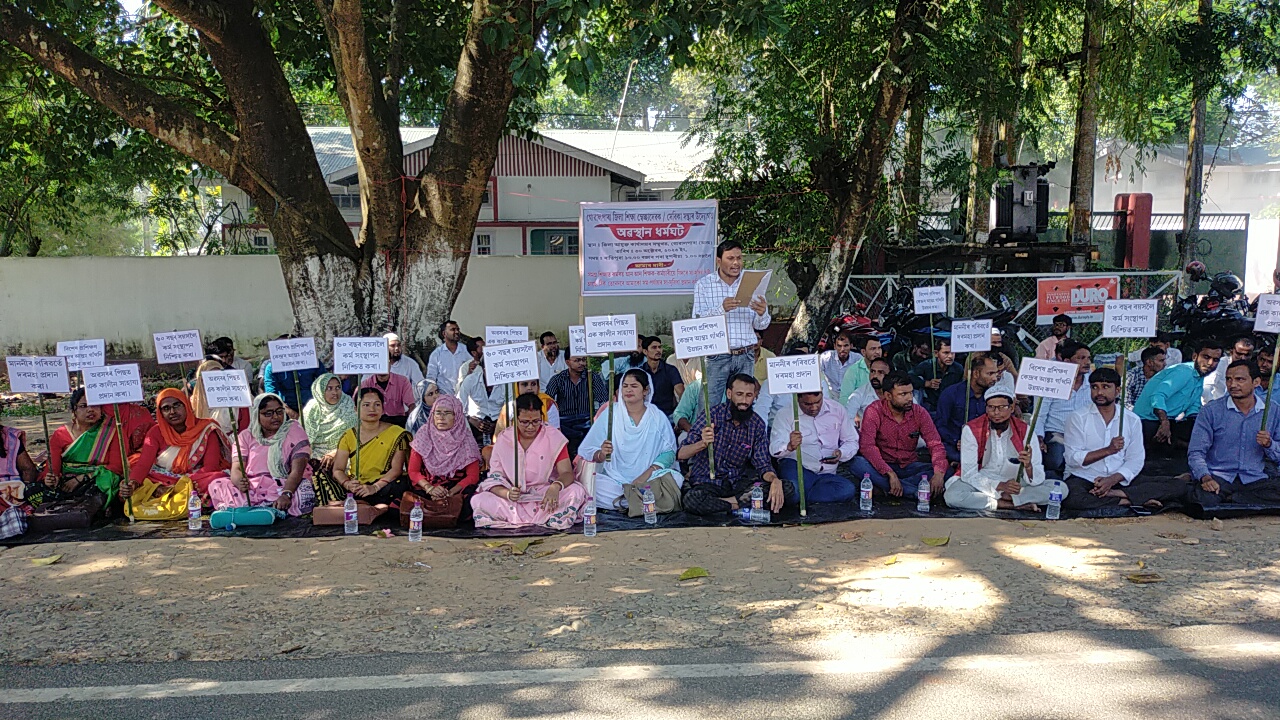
x: 995, y: 467
x: 548, y: 370
x: 407, y: 367
x: 833, y: 370
x: 859, y: 401
x: 1215, y: 383
x: 241, y: 364
x: 1086, y: 431
x: 443, y: 367
x: 481, y: 403
x: 820, y: 436
x: 743, y: 322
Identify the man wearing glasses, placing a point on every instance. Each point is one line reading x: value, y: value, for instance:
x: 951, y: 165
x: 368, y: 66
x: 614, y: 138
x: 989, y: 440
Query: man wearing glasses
x: 993, y: 448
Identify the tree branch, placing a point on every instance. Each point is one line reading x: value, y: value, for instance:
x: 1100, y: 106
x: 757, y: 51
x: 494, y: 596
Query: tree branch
x: 395, y: 55
x: 138, y: 105
x: 209, y: 17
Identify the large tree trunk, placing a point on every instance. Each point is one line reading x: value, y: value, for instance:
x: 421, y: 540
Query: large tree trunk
x: 978, y: 212
x: 913, y: 166
x: 1085, y: 150
x: 1193, y: 193
x: 856, y: 204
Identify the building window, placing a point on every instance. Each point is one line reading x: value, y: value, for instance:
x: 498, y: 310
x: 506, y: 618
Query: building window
x: 637, y: 195
x: 485, y: 199
x: 347, y: 201
x: 483, y: 244
x: 553, y: 242
x: 261, y: 241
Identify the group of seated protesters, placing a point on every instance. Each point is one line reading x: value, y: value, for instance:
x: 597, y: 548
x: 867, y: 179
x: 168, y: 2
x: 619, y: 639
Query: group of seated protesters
x: 445, y: 438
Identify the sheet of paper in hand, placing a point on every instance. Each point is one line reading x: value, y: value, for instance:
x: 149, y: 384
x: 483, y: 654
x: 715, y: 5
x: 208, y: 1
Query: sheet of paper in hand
x: 753, y: 286
x: 970, y: 336
x: 38, y: 374
x: 610, y: 333
x: 505, y: 334
x: 1132, y: 318
x: 794, y: 374
x: 700, y: 337
x: 227, y: 388
x: 360, y: 356
x: 505, y: 364
x: 112, y: 384
x: 179, y: 346
x: 293, y: 354
x: 931, y: 299
x: 1268, y: 318
x: 81, y: 354
x: 1046, y: 378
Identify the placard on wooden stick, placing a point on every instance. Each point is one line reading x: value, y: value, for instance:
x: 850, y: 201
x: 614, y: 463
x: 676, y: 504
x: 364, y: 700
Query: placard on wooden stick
x: 112, y: 384
x: 794, y: 374
x: 81, y: 354
x: 610, y: 333
x: 931, y: 299
x: 293, y: 354
x: 179, y: 346
x: 226, y: 388
x: 1046, y: 378
x: 1268, y: 317
x: 505, y: 364
x: 505, y: 334
x: 969, y: 336
x: 578, y: 342
x: 700, y: 337
x: 36, y: 374
x: 360, y: 356
x: 1134, y: 318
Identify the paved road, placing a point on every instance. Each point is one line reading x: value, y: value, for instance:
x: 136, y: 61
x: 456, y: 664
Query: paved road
x: 1199, y: 673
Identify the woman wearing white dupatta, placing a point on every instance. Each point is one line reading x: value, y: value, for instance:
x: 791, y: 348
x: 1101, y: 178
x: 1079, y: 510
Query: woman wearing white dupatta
x: 643, y: 447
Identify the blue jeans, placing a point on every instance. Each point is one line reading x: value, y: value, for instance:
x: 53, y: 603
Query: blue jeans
x: 720, y: 367
x: 908, y: 475
x: 818, y: 487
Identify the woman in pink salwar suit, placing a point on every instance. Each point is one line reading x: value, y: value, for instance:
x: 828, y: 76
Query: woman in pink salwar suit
x: 548, y: 496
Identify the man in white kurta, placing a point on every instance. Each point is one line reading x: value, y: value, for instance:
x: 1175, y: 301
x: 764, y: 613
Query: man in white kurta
x: 992, y: 450
x: 445, y: 362
x: 857, y: 405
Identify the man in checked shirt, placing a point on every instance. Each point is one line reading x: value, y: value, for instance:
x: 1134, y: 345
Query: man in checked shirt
x: 714, y: 295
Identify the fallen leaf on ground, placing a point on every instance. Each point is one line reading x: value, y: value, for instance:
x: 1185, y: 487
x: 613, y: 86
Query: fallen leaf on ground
x: 850, y: 536
x: 1191, y: 541
x: 1216, y: 524
x: 1170, y: 535
x: 1141, y: 564
x: 46, y: 560
x: 495, y: 543
x: 543, y: 554
x: 518, y: 547
x: 746, y: 614
x: 1145, y: 578
x: 1026, y: 524
x: 694, y: 572
x: 936, y: 542
x: 293, y: 649
x: 892, y: 561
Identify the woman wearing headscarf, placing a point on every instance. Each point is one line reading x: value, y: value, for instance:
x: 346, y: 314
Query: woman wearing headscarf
x: 328, y: 415
x: 427, y: 394
x: 544, y: 492
x: 275, y: 470
x: 444, y: 458
x: 180, y: 445
x: 16, y: 472
x: 200, y: 400
x: 643, y: 447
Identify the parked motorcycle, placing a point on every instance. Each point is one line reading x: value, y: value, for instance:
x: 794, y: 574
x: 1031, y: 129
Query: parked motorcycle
x: 1223, y: 313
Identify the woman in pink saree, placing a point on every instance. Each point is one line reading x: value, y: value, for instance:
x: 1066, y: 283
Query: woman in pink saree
x: 545, y: 494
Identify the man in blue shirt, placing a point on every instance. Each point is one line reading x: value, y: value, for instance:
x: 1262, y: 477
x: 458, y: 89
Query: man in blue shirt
x: 950, y: 418
x: 1229, y: 445
x: 1169, y: 403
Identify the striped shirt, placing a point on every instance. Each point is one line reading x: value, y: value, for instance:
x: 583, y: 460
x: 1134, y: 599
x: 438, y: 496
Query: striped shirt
x: 743, y: 322
x: 571, y: 397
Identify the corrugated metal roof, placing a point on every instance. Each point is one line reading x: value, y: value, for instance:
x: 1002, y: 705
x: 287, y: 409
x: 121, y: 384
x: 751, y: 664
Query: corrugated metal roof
x: 663, y: 157
x: 335, y: 151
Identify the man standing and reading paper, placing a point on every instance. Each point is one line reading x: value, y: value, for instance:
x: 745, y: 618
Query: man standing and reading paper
x: 716, y: 294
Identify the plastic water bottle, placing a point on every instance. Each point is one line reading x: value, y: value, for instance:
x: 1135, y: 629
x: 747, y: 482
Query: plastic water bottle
x: 753, y: 516
x: 864, y: 499
x: 415, y: 523
x: 589, y: 518
x: 922, y: 495
x: 1054, y: 511
x: 757, y: 497
x: 194, y: 512
x: 650, y: 506
x: 350, y: 518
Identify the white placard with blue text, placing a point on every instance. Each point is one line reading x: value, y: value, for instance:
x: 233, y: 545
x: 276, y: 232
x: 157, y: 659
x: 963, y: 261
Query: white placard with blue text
x: 1046, y: 378
x: 931, y: 299
x: 610, y: 333
x: 505, y: 334
x: 970, y: 336
x: 794, y: 374
x: 81, y: 354
x: 227, y: 388
x: 112, y: 384
x: 179, y: 346
x: 504, y: 364
x: 360, y: 356
x: 38, y: 374
x: 1132, y: 318
x: 293, y: 354
x: 700, y: 337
